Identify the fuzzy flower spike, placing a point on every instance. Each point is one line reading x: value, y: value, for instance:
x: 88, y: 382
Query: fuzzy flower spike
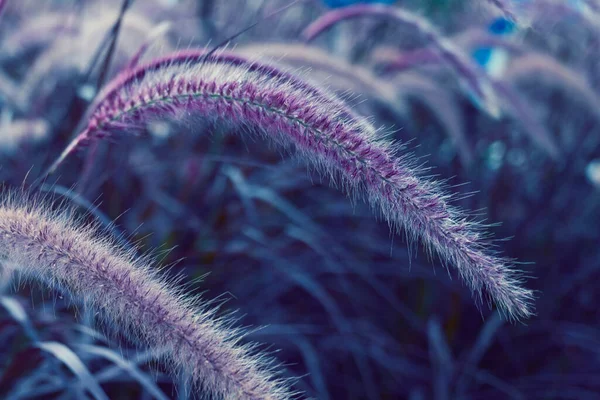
x: 256, y: 99
x: 50, y: 247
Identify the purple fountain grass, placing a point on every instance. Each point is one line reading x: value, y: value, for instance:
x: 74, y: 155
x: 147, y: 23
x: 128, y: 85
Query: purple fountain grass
x: 257, y: 99
x: 527, y: 116
x: 442, y: 104
x: 180, y: 60
x: 552, y: 73
x: 158, y: 31
x: 389, y: 59
x: 50, y: 246
x: 468, y: 72
x: 338, y: 74
x: 195, y: 56
x: 510, y: 101
x: 475, y: 37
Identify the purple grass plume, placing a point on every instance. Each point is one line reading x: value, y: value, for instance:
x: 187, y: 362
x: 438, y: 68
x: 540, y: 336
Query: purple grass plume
x: 334, y: 72
x: 551, y: 73
x: 443, y: 106
x: 510, y: 102
x: 470, y: 74
x: 389, y: 59
x: 48, y: 245
x: 254, y: 98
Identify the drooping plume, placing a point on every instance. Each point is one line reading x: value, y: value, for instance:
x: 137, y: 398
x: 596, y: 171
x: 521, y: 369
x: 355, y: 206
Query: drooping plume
x: 255, y: 98
x: 470, y: 75
x: 52, y: 248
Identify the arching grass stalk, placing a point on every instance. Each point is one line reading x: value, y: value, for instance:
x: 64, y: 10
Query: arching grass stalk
x: 197, y: 57
x: 258, y: 99
x: 470, y: 74
x: 550, y: 73
x: 341, y: 75
x: 510, y: 101
x: 50, y: 247
x: 389, y: 59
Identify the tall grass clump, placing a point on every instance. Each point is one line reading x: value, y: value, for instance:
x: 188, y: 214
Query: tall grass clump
x: 182, y: 110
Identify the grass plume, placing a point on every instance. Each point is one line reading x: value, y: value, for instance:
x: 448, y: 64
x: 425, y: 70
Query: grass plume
x: 49, y: 246
x: 256, y: 98
x: 469, y: 73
